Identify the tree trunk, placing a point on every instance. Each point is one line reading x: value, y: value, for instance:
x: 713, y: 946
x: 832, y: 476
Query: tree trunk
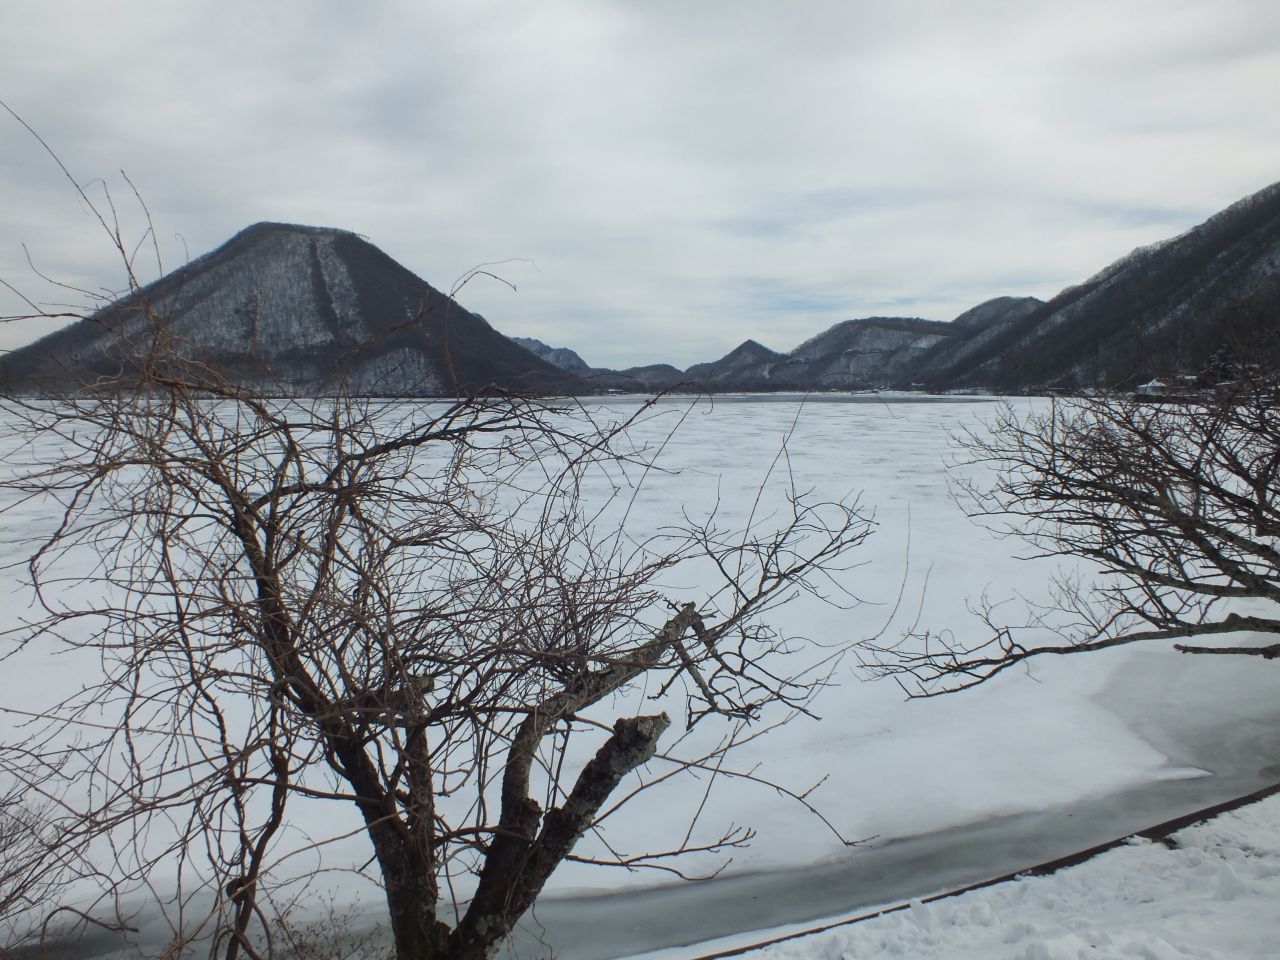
x: 506, y: 893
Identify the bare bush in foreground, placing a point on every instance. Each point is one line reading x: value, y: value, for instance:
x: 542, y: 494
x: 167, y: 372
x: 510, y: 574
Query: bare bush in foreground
x: 1177, y: 503
x: 29, y: 861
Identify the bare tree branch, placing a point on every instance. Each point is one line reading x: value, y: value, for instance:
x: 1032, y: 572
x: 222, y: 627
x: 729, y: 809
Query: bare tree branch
x: 1176, y: 504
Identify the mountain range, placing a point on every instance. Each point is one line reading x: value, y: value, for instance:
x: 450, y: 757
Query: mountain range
x: 296, y: 310
x: 1170, y: 308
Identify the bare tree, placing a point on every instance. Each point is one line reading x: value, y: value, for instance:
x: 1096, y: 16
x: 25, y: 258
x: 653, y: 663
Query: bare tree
x: 413, y: 609
x: 1174, y: 503
x: 30, y: 859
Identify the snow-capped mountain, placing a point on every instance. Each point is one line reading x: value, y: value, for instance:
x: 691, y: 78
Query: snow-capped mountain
x: 296, y: 310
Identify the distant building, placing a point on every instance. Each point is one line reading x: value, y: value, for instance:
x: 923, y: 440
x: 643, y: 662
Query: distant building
x: 1183, y: 385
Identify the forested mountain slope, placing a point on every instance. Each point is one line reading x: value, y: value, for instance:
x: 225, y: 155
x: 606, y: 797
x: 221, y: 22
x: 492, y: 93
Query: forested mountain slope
x: 1174, y: 307
x: 296, y: 310
x: 1166, y: 308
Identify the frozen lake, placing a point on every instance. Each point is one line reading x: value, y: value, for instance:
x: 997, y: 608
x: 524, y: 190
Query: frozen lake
x: 954, y: 788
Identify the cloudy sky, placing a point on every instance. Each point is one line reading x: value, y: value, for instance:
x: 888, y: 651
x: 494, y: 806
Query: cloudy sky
x: 664, y: 178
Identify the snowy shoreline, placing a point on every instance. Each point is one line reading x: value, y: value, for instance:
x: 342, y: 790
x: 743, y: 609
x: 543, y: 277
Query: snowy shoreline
x: 778, y: 941
x: 1208, y: 890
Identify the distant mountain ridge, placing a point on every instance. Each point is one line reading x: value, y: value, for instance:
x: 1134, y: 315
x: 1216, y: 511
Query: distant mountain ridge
x: 562, y: 357
x: 298, y: 309
x: 869, y: 353
x: 1167, y: 308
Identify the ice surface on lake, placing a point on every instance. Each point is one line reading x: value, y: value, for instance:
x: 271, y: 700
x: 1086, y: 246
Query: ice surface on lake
x: 1032, y: 739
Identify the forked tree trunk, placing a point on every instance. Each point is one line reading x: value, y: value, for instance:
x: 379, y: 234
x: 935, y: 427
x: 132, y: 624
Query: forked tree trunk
x: 519, y: 862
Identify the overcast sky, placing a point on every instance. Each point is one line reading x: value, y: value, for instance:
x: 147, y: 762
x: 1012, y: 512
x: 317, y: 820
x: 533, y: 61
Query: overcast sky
x: 666, y: 179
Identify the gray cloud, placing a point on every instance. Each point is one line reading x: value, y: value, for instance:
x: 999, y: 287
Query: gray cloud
x: 681, y: 176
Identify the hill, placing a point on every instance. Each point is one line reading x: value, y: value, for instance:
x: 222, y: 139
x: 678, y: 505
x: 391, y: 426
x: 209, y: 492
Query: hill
x: 1166, y: 308
x: 297, y: 310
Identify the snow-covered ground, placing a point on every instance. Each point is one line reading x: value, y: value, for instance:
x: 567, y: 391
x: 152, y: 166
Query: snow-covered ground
x: 1211, y: 891
x: 1120, y: 736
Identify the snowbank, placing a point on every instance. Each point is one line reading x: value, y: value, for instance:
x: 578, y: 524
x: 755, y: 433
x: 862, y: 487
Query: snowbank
x: 1210, y: 891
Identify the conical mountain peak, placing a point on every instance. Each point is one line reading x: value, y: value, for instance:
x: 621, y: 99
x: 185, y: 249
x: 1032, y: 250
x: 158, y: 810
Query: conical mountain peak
x: 295, y: 309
